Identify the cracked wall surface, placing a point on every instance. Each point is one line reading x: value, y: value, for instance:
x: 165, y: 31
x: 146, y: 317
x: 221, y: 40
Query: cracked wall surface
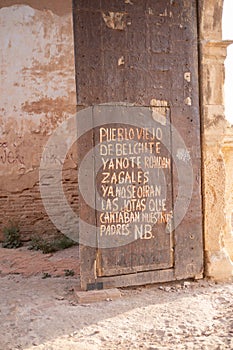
x: 37, y: 93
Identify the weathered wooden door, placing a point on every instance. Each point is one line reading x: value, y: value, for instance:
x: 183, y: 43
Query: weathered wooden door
x: 140, y: 203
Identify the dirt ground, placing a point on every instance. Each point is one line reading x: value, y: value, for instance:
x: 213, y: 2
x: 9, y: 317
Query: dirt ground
x: 43, y: 313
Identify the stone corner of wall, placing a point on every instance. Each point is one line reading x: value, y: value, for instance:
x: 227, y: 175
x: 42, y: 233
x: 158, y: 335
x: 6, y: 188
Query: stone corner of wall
x: 219, y: 266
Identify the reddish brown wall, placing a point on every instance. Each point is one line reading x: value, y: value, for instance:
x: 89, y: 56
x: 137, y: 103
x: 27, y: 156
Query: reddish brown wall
x: 58, y: 7
x: 37, y: 93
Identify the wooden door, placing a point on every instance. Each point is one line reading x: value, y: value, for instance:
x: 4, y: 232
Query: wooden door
x: 137, y: 67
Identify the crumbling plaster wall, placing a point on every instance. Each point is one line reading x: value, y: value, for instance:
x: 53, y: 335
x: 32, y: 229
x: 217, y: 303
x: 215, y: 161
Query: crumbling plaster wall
x: 37, y: 93
x: 217, y: 145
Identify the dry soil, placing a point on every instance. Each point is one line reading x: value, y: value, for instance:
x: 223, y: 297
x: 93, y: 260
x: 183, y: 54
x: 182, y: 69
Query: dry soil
x: 43, y: 313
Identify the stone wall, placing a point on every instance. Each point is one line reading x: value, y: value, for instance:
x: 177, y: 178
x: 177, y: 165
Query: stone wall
x: 217, y: 150
x: 37, y: 93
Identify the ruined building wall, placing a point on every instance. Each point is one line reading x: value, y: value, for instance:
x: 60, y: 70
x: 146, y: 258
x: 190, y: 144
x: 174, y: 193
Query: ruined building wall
x: 217, y: 136
x: 37, y: 93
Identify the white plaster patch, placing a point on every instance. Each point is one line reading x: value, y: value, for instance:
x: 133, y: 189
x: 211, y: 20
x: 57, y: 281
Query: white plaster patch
x: 187, y: 76
x: 114, y: 20
x: 183, y: 154
x: 121, y: 61
x: 188, y: 101
x: 158, y: 103
x: 159, y: 110
x: 150, y: 11
x: 36, y: 60
x: 220, y: 265
x: 128, y: 2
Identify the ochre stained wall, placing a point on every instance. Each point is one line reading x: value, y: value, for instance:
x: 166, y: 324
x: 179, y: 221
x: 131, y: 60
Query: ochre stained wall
x: 217, y: 145
x: 37, y: 93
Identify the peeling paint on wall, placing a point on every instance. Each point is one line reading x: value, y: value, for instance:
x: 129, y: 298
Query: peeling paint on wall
x: 121, y: 61
x: 159, y: 110
x: 128, y: 2
x: 115, y: 20
x: 188, y: 101
x: 37, y: 93
x: 187, y: 76
x: 58, y: 7
x: 37, y: 64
